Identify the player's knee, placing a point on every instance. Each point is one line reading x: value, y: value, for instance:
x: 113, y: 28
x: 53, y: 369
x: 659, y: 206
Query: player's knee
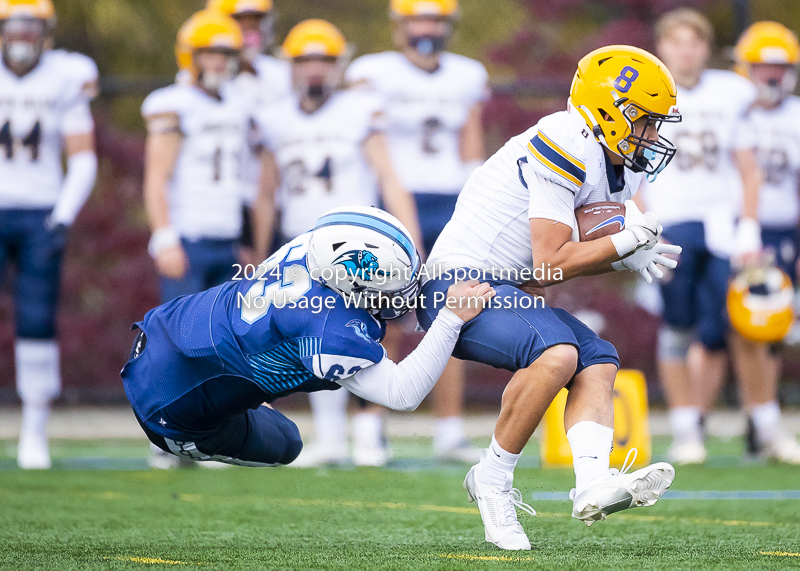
x: 292, y: 446
x: 560, y: 361
x: 673, y: 343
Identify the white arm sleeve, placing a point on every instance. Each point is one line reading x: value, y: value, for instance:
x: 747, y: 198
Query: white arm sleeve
x: 77, y: 185
x: 402, y: 386
x: 548, y: 199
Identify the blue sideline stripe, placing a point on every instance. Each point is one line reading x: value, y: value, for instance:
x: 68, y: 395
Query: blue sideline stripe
x: 365, y: 221
x: 553, y: 156
x: 707, y: 495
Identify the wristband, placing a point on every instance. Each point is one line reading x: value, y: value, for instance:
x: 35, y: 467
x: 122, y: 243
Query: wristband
x: 162, y: 239
x: 625, y: 242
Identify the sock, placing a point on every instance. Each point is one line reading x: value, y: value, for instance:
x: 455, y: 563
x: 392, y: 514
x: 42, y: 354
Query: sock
x: 448, y: 433
x: 38, y: 372
x: 591, y: 447
x: 34, y: 419
x: 368, y: 430
x: 766, y: 419
x: 685, y: 424
x: 329, y: 409
x: 496, y: 467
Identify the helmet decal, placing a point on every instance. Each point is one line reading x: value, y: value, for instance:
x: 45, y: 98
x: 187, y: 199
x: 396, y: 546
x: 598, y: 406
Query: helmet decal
x: 362, y: 264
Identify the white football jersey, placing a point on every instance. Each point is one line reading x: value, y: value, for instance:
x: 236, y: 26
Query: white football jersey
x: 775, y: 134
x: 490, y: 228
x: 271, y: 85
x: 36, y: 112
x: 320, y: 156
x: 205, y: 194
x: 702, y: 179
x: 425, y: 113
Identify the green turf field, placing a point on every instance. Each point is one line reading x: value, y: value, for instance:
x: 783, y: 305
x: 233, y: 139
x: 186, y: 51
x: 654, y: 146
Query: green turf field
x: 415, y: 516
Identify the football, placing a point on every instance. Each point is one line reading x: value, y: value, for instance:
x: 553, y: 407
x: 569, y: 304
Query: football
x: 599, y: 219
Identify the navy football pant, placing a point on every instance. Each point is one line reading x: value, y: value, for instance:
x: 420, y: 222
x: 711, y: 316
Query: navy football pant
x: 783, y: 243
x: 434, y: 211
x: 515, y: 334
x: 695, y: 294
x: 37, y: 253
x: 210, y: 264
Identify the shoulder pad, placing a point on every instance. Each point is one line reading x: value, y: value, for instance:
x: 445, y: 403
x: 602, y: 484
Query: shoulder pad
x: 560, y: 149
x: 368, y: 66
x: 167, y: 100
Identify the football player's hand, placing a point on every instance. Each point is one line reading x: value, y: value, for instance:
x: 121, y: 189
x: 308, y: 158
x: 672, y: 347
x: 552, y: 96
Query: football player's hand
x: 747, y: 243
x: 172, y: 262
x: 57, y: 236
x: 467, y: 299
x: 646, y: 262
x: 644, y: 225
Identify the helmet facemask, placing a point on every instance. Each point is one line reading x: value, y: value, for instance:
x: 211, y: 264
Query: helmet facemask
x: 773, y: 88
x: 23, y: 41
x: 641, y: 154
x: 318, y: 83
x: 212, y: 80
x: 388, y: 305
x: 259, y: 38
x: 427, y: 39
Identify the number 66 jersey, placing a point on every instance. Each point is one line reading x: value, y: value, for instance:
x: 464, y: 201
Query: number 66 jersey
x: 37, y: 111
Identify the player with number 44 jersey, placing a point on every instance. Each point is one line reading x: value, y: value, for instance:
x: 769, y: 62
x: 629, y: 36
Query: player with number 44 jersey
x: 44, y: 116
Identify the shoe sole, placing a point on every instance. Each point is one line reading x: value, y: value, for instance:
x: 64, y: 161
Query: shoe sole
x: 593, y: 512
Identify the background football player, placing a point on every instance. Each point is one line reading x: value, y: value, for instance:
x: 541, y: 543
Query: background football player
x: 327, y: 148
x: 434, y: 102
x: 517, y: 211
x: 197, y: 135
x: 769, y: 54
x: 712, y: 184
x: 266, y: 79
x: 203, y: 364
x: 44, y: 114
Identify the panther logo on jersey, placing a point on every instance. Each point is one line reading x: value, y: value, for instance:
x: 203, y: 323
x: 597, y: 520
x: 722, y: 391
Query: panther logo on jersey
x: 360, y: 329
x: 359, y: 263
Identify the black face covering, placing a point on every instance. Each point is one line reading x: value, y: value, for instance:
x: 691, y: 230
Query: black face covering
x: 316, y: 91
x: 428, y: 45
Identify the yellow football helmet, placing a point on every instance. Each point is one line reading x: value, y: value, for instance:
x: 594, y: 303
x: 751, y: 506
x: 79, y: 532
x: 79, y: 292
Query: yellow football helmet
x: 769, y: 43
x: 406, y: 8
x: 37, y: 9
x: 616, y: 86
x: 240, y: 7
x: 760, y: 304
x: 207, y: 29
x: 314, y: 38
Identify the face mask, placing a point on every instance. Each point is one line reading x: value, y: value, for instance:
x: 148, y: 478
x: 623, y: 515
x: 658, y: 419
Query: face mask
x: 428, y: 45
x: 22, y: 53
x: 212, y: 81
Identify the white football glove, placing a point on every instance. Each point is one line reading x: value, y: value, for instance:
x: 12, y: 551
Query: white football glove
x: 748, y: 238
x: 644, y: 261
x: 643, y: 224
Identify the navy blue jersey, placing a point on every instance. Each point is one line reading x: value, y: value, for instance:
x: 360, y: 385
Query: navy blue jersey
x: 281, y: 330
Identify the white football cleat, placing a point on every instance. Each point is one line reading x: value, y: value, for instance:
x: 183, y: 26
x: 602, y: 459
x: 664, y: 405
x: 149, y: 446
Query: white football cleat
x: 160, y: 460
x: 498, y: 512
x: 784, y: 448
x: 33, y: 452
x: 690, y: 452
x: 618, y: 490
x: 376, y: 456
x: 318, y: 454
x: 464, y: 452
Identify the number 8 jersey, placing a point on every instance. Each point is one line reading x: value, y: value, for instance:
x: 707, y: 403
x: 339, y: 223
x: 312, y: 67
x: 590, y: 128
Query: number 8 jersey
x: 37, y: 111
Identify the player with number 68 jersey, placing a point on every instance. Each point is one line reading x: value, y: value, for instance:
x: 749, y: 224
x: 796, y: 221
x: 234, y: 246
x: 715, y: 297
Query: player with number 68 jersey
x: 44, y: 117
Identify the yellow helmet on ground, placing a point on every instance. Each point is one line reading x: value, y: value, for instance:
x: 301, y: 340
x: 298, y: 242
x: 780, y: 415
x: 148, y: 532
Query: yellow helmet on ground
x: 618, y: 85
x: 314, y: 38
x: 207, y: 29
x: 240, y: 7
x: 37, y: 9
x: 407, y: 8
x: 760, y: 304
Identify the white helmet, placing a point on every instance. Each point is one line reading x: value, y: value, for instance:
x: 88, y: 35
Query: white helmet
x: 367, y: 255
